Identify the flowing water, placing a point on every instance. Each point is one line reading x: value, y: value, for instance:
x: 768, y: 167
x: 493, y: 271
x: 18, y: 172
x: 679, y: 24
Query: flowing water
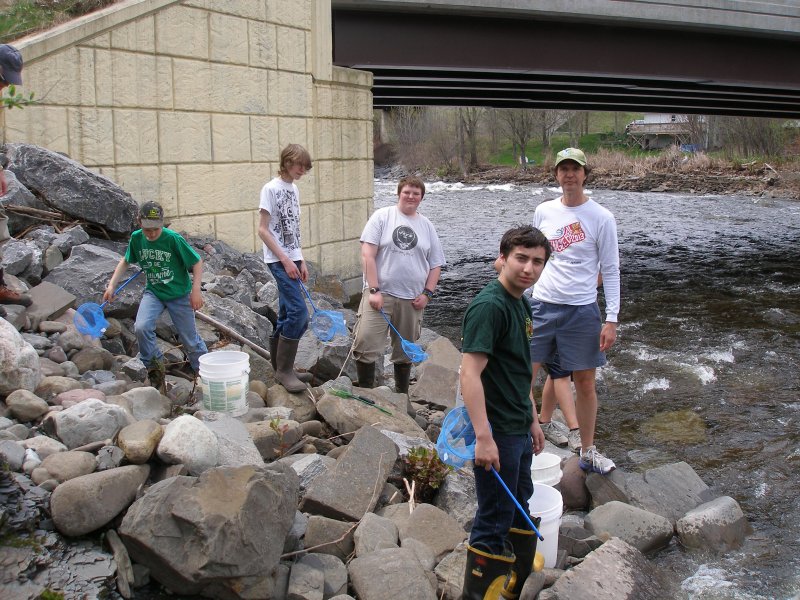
x: 705, y: 368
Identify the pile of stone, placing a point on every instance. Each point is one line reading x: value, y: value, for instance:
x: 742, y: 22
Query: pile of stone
x: 112, y: 486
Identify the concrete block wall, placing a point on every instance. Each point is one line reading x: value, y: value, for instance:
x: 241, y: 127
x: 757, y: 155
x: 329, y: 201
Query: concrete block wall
x: 190, y: 103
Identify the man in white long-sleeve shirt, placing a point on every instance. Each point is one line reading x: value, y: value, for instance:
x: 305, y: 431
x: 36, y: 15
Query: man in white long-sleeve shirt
x: 566, y: 317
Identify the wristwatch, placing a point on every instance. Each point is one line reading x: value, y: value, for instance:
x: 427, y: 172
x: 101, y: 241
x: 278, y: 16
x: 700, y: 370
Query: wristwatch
x: 374, y: 290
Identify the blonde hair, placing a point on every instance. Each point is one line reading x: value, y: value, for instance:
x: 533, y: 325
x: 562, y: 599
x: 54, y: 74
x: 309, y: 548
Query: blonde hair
x: 294, y: 154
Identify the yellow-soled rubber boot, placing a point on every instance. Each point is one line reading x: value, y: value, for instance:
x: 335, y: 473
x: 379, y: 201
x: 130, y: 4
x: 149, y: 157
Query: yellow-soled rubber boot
x: 486, y: 575
x: 524, y: 543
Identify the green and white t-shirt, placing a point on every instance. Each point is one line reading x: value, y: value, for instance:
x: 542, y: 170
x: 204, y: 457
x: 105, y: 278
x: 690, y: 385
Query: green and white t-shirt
x: 165, y: 262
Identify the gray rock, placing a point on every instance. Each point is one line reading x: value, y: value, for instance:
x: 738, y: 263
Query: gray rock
x: 306, y: 580
x: 310, y: 466
x: 109, y: 457
x: 49, y: 301
x: 19, y: 195
x: 92, y: 358
x: 670, y: 490
x: 19, y: 362
x: 50, y: 368
x: 164, y: 529
x: 351, y: 489
x: 422, y: 551
x: 12, y: 453
x: 437, y: 377
x: 325, y: 360
x: 71, y: 340
x: 715, y: 526
x: 48, y: 327
x: 17, y: 256
x: 86, y: 503
x: 329, y: 536
x: 643, y: 530
x: 301, y: 404
x: 615, y: 571
x: 39, y: 342
x: 450, y: 573
x: 457, y: 497
x: 272, y: 438
x: 43, y: 446
x: 188, y: 441
x: 374, y: 533
x: 395, y: 569
x: 434, y: 528
x: 17, y: 316
x: 148, y: 403
x: 533, y: 585
x: 56, y: 353
x: 50, y: 387
x: 346, y: 414
x: 241, y: 319
x: 89, y: 421
x: 66, y: 240
x: 135, y: 369
x: 607, y: 488
x: 51, y: 259
x: 68, y: 186
x: 573, y: 485
x: 26, y: 406
x: 236, y: 447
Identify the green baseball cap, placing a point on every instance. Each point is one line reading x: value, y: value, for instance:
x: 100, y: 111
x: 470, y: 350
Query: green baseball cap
x: 571, y: 154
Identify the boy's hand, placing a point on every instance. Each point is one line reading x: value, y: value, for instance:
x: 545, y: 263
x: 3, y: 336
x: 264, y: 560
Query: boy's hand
x: 291, y: 269
x: 608, y: 335
x: 303, y: 271
x: 537, y: 437
x: 108, y: 295
x: 196, y: 299
x: 486, y: 454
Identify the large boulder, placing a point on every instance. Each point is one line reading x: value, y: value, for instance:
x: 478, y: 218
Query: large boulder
x: 643, y: 530
x: 238, y: 317
x: 437, y: 377
x: 391, y: 572
x: 212, y: 534
x: 68, y: 186
x: 19, y: 362
x: 86, y: 273
x: 347, y: 414
x: 188, y: 441
x: 715, y: 526
x: 19, y: 195
x: 90, y: 421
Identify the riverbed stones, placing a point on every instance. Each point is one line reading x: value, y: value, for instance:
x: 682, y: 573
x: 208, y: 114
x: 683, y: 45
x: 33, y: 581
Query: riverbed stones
x: 714, y: 526
x: 50, y: 387
x: 86, y: 503
x: 437, y: 377
x: 25, y: 406
x: 179, y: 519
x: 43, y: 446
x: 346, y: 414
x: 301, y: 404
x: 373, y: 533
x: 236, y: 447
x: 188, y: 441
x: 64, y: 466
x: 19, y: 362
x: 351, y: 488
x: 49, y: 301
x: 395, y: 569
x: 450, y: 573
x: 148, y: 403
x: 139, y: 440
x: 89, y: 421
x: 615, y: 571
x: 12, y: 453
x: 329, y: 536
x: 433, y: 527
x: 274, y: 437
x: 643, y: 530
x: 92, y: 358
x: 72, y: 397
x: 669, y: 490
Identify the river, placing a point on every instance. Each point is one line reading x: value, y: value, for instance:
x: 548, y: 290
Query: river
x: 705, y: 368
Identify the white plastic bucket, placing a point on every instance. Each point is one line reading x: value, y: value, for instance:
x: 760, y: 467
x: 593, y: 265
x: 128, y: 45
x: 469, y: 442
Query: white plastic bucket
x: 546, y: 469
x: 546, y: 503
x: 224, y: 377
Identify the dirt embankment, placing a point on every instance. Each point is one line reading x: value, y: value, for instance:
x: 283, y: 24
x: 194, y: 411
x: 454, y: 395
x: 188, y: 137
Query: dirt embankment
x: 756, y: 179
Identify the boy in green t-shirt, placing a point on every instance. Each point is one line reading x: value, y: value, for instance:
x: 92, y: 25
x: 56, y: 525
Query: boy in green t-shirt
x: 496, y: 386
x: 166, y: 259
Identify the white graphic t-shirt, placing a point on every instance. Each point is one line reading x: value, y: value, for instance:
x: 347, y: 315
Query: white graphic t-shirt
x: 408, y: 248
x: 282, y: 201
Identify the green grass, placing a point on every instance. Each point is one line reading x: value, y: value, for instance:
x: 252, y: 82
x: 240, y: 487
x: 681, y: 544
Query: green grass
x: 590, y: 143
x: 29, y: 16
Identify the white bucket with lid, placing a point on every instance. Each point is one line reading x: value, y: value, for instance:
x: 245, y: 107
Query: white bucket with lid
x: 546, y: 469
x: 546, y: 503
x: 225, y: 379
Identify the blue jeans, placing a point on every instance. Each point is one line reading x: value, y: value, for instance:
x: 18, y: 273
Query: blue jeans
x: 496, y: 512
x: 292, y: 312
x: 182, y: 315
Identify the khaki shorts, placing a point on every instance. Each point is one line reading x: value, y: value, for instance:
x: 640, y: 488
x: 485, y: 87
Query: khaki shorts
x: 372, y: 327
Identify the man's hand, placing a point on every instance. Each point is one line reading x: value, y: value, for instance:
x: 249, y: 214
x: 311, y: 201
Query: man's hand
x: 376, y: 301
x: 420, y: 302
x: 196, y: 299
x: 608, y: 335
x: 486, y: 454
x: 537, y: 437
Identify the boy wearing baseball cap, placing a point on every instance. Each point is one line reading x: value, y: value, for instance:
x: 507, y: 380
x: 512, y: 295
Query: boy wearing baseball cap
x: 166, y: 258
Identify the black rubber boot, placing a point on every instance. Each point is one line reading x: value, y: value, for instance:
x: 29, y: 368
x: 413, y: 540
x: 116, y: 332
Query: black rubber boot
x: 486, y: 575
x: 156, y: 373
x: 366, y: 374
x: 273, y: 352
x: 287, y: 350
x: 524, y: 543
x: 402, y: 375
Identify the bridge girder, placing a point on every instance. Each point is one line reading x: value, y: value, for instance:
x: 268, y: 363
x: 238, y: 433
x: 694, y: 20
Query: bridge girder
x: 435, y: 59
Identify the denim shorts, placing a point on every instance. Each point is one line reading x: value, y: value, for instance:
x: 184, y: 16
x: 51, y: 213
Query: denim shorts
x: 571, y: 331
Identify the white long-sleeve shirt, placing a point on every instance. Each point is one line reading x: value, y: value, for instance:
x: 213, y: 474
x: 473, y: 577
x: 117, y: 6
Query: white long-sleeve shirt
x: 583, y: 241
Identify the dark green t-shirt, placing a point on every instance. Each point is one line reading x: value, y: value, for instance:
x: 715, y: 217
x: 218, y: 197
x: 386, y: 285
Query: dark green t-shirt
x: 165, y: 262
x: 499, y: 325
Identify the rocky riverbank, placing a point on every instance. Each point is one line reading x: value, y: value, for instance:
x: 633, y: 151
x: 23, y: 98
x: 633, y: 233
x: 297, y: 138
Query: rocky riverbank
x: 115, y: 489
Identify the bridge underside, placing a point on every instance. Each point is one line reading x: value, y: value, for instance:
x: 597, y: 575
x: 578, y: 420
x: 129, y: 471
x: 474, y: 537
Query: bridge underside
x: 433, y: 59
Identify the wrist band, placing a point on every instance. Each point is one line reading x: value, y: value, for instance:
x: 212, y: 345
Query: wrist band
x: 428, y: 293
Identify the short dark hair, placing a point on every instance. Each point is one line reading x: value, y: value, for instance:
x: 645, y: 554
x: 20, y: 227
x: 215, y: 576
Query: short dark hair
x: 411, y: 181
x: 294, y: 154
x: 525, y: 236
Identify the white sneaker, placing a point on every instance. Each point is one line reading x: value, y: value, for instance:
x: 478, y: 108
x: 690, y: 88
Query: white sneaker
x: 592, y: 460
x: 574, y: 439
x: 554, y: 434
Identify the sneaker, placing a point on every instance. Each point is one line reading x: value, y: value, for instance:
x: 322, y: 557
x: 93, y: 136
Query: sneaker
x: 9, y: 296
x: 592, y: 460
x: 554, y: 434
x: 574, y: 439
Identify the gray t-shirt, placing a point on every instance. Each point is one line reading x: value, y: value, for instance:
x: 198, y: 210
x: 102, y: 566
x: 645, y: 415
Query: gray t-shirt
x: 282, y: 201
x: 408, y: 249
